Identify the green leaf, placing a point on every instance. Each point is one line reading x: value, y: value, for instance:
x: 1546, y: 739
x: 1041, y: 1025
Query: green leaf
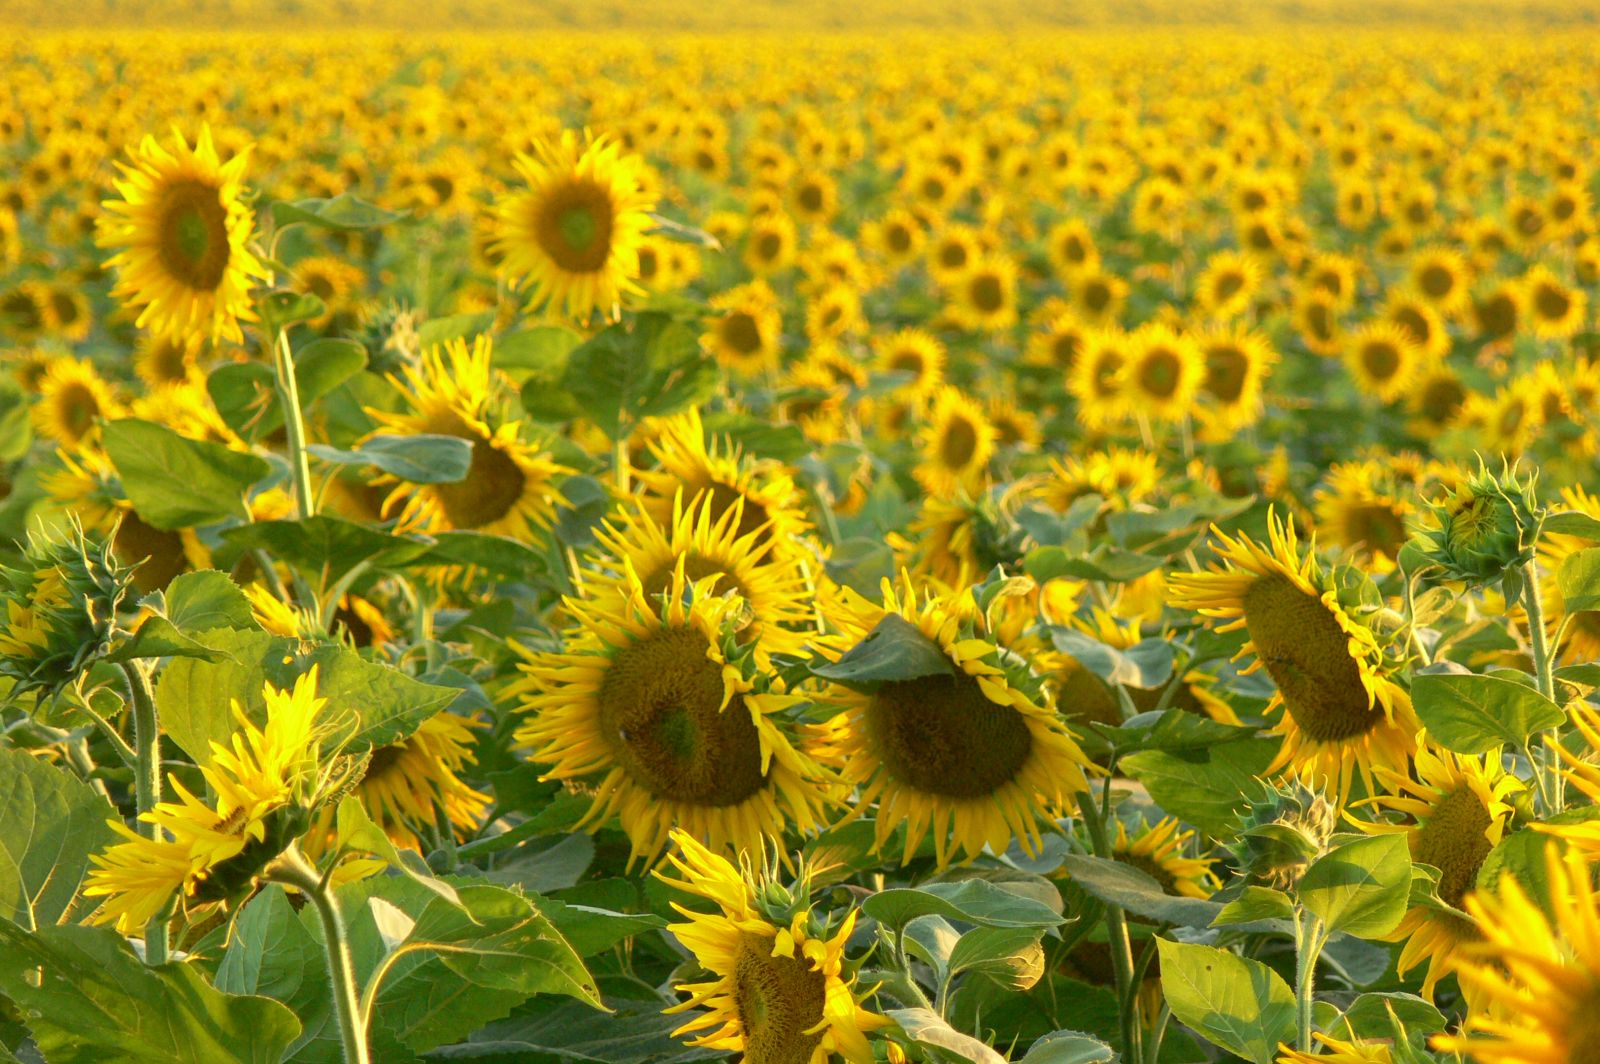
x: 269, y: 952
x: 436, y: 331
x: 245, y: 395
x: 861, y: 563
x: 977, y: 901
x: 537, y: 353
x: 50, y: 822
x: 324, y: 364
x: 98, y: 1004
x: 373, y: 704
x: 325, y: 548
x: 562, y: 1031
x: 175, y: 482
x: 1361, y: 888
x: 16, y: 424
x: 1123, y: 885
x: 592, y: 930
x: 683, y: 234
x: 157, y: 637
x: 1238, y: 1004
x: 420, y: 459
x: 1579, y: 580
x: 1104, y: 563
x: 1573, y: 523
x: 343, y: 213
x: 284, y: 307
x: 1205, y: 786
x: 1069, y: 1047
x: 500, y: 555
x: 1368, y: 1016
x: 354, y: 830
x: 1001, y: 951
x: 925, y: 1027
x: 652, y: 369
x: 205, y: 600
x: 1256, y: 904
x: 759, y: 436
x: 895, y: 650
x: 1472, y: 714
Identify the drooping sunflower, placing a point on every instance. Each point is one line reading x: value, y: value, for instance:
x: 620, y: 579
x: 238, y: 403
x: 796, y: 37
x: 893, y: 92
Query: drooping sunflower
x: 772, y: 506
x: 1165, y: 370
x: 745, y: 337
x: 1157, y: 850
x: 210, y: 853
x: 1382, y: 359
x: 1536, y: 977
x: 956, y: 444
x: 1457, y: 812
x: 73, y: 399
x: 654, y: 702
x: 510, y: 486
x: 974, y: 756
x: 779, y: 993
x: 181, y: 233
x: 573, y: 234
x: 1316, y: 318
x: 1341, y: 711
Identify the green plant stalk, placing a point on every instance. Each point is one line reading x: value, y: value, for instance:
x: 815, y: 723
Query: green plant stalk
x: 292, y: 869
x: 294, y: 424
x: 619, y: 464
x: 1308, y: 943
x: 1117, y: 931
x: 147, y: 786
x: 1542, y: 759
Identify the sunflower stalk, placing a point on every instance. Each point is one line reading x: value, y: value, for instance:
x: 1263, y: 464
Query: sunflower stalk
x: 292, y: 869
x: 1546, y: 774
x: 1309, y: 938
x: 147, y: 785
x: 1095, y: 817
x: 294, y: 424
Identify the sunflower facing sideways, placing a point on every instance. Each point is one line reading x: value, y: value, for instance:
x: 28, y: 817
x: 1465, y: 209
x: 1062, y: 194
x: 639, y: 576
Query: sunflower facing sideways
x: 974, y: 756
x: 181, y: 232
x: 1341, y: 711
x: 779, y: 992
x: 573, y: 235
x: 654, y: 701
x: 510, y: 486
x: 202, y: 853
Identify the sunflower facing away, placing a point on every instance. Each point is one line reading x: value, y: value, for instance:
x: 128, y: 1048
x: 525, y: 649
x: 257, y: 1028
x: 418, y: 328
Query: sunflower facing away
x: 975, y: 757
x: 181, y: 232
x: 573, y: 234
x: 1341, y: 711
x: 1536, y: 978
x: 204, y: 853
x: 1458, y: 812
x: 654, y: 703
x: 779, y: 993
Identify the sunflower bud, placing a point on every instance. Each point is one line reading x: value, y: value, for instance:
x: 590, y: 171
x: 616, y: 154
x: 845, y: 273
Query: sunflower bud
x: 1284, y: 829
x: 61, y: 603
x: 390, y: 333
x: 1487, y: 528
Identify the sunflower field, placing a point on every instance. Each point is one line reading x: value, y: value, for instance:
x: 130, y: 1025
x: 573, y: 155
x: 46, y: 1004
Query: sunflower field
x: 642, y: 534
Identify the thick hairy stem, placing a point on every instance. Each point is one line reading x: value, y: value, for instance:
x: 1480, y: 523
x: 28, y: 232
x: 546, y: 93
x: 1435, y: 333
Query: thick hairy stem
x: 292, y: 869
x: 147, y: 785
x: 294, y: 425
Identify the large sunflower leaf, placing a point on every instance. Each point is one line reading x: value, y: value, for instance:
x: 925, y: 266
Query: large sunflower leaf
x: 1472, y: 714
x: 50, y: 822
x: 1238, y: 1004
x: 175, y: 482
x: 895, y: 650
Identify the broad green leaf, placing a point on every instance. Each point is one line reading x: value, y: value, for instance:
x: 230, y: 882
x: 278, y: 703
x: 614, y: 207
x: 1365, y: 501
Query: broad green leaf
x: 539, y: 353
x: 325, y: 548
x: 1573, y: 523
x: 976, y: 901
x: 354, y: 830
x: 174, y: 482
x: 1368, y: 1017
x: 284, y: 307
x: 16, y: 425
x: 157, y: 637
x: 1205, y: 786
x: 861, y: 564
x: 1361, y: 888
x: 651, y: 369
x: 1009, y: 954
x: 98, y: 1004
x: 759, y: 436
x: 1123, y: 885
x: 246, y: 397
x: 500, y: 555
x: 344, y: 212
x: 592, y: 930
x: 1105, y: 563
x: 1473, y: 714
x: 1238, y: 1004
x: 1256, y: 904
x: 1579, y: 580
x: 436, y: 331
x: 50, y: 822
x: 1069, y: 1047
x: 206, y: 600
x: 925, y: 1027
x: 894, y: 651
x: 422, y: 459
x: 563, y: 1031
x: 371, y: 704
x: 269, y: 952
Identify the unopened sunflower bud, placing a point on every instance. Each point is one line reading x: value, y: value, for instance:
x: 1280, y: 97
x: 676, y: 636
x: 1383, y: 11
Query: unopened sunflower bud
x: 61, y: 603
x: 1487, y: 528
x: 1284, y: 828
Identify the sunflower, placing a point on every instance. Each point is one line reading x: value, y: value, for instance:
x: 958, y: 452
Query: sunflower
x: 1583, y: 772
x: 973, y: 756
x: 1341, y: 711
x: 746, y: 336
x: 1237, y: 363
x: 181, y: 232
x: 573, y: 234
x: 1071, y: 248
x: 1421, y: 320
x: 510, y: 486
x: 1098, y: 295
x: 779, y: 993
x: 1338, y: 1051
x: 711, y: 547
x: 1228, y: 283
x: 769, y: 244
x: 204, y: 854
x: 1358, y: 509
x: 1556, y: 309
x: 1536, y: 978
x: 1315, y: 315
x: 1099, y: 382
x: 984, y: 296
x: 73, y: 399
x: 1165, y: 370
x: 771, y: 505
x: 1382, y: 359
x: 1157, y: 851
x: 915, y: 352
x: 1458, y: 812
x: 160, y: 360
x: 654, y: 704
x: 953, y: 252
x: 1059, y: 344
x: 898, y: 236
x: 832, y: 313
x: 67, y: 311
x: 1498, y: 312
x: 956, y: 445
x: 332, y: 280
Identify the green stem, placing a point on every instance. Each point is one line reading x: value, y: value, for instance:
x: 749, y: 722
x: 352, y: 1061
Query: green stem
x: 1308, y: 942
x: 620, y: 465
x: 1120, y: 944
x: 294, y: 424
x: 146, y: 785
x: 294, y: 870
x: 1544, y: 759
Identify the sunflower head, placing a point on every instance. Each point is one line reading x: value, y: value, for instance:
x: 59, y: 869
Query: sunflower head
x: 60, y: 603
x: 1283, y: 828
x: 1487, y: 527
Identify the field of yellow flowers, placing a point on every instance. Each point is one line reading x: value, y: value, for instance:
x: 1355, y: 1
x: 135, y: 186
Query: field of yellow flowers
x: 953, y: 540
